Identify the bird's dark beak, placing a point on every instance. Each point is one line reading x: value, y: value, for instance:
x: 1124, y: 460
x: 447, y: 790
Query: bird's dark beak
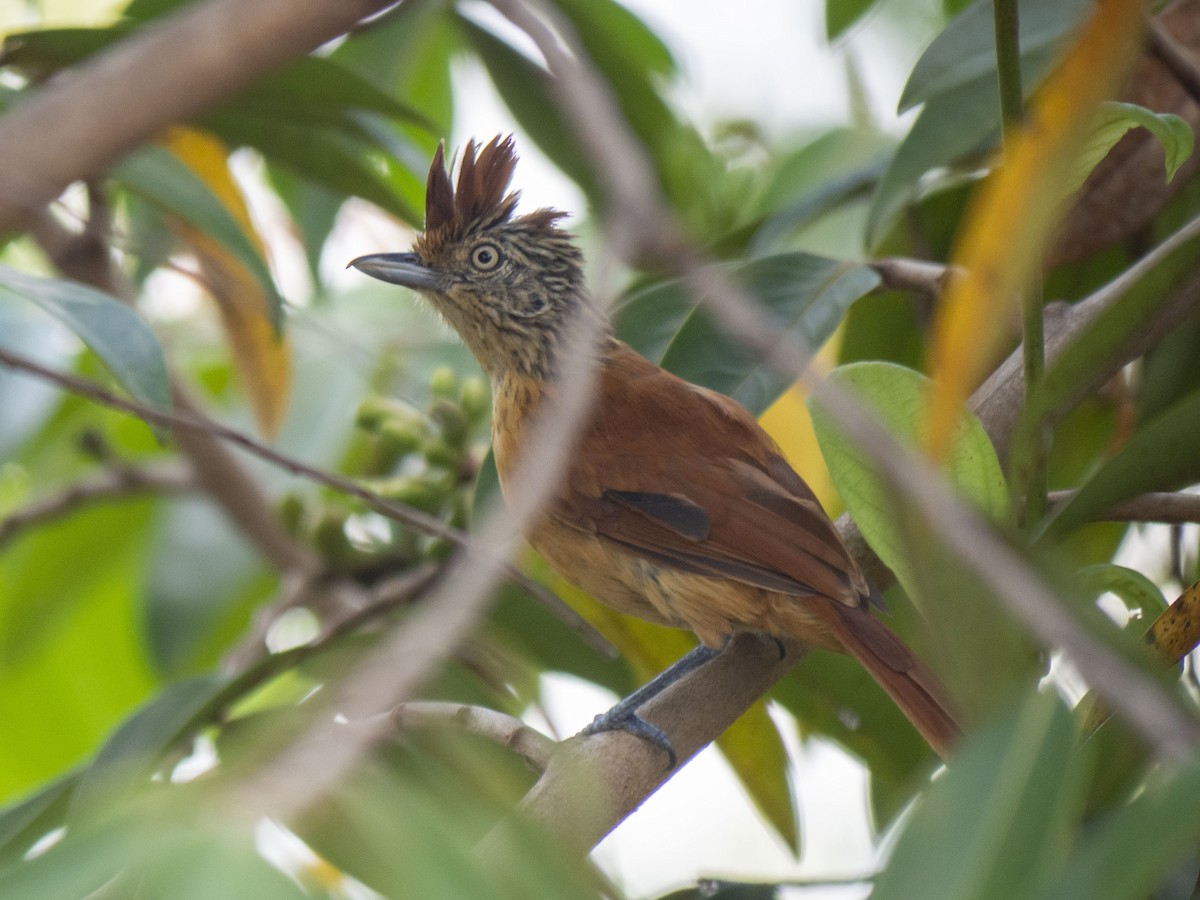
x: 399, y: 268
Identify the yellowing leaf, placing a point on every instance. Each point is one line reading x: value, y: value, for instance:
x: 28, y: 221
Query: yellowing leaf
x: 262, y: 354
x: 1002, y: 240
x: 787, y: 420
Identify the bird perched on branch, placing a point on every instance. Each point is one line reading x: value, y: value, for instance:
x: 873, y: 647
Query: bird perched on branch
x: 675, y: 506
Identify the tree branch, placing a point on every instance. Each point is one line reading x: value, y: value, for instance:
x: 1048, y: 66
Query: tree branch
x: 116, y: 483
x: 423, y: 522
x: 1168, y: 508
x: 499, y: 728
x: 165, y: 73
x: 917, y: 275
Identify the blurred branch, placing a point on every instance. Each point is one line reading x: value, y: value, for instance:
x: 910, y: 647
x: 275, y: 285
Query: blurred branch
x: 183, y: 423
x: 590, y: 791
x: 120, y: 482
x: 1169, y: 508
x: 499, y: 728
x: 594, y: 782
x: 1177, y: 58
x: 998, y: 400
x: 165, y: 73
x: 916, y: 275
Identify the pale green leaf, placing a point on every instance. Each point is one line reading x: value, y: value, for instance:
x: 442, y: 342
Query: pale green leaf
x: 115, y: 332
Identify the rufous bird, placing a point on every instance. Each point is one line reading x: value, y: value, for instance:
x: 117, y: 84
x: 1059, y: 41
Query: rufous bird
x: 676, y: 506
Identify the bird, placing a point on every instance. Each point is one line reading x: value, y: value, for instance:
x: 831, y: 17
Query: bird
x: 675, y: 506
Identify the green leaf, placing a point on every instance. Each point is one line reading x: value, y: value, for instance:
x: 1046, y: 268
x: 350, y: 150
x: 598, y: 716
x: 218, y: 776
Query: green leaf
x: 162, y: 178
x: 1129, y: 303
x: 621, y: 35
x: 344, y: 162
x: 1135, y: 589
x: 898, y: 395
x: 804, y: 296
x: 1000, y: 819
x: 23, y: 823
x: 71, y: 655
x: 524, y: 88
x: 956, y: 80
x: 1114, y: 120
x: 110, y: 328
x: 1161, y: 456
x: 965, y: 51
x: 841, y: 14
x: 140, y: 742
x: 1124, y: 855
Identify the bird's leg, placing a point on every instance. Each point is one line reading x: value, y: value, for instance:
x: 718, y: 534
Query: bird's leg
x: 624, y: 717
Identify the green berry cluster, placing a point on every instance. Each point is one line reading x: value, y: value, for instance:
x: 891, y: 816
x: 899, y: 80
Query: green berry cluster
x: 423, y: 458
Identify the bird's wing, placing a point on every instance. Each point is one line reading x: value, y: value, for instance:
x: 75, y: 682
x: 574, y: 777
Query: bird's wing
x: 686, y: 477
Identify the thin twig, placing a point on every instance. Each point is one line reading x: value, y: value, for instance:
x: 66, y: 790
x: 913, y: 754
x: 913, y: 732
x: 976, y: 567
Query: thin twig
x: 499, y: 728
x: 115, y: 483
x: 1168, y: 508
x: 916, y: 275
x: 412, y: 517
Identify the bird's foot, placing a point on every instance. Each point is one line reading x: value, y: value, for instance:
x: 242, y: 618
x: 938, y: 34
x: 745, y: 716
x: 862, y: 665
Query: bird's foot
x: 624, y: 718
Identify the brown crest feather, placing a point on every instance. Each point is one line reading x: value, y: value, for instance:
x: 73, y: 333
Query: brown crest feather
x: 481, y: 197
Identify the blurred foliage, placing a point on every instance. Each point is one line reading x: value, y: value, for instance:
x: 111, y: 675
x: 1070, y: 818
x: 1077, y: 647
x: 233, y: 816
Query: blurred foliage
x: 135, y: 717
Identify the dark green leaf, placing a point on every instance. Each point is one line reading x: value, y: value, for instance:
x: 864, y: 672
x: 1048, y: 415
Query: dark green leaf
x: 841, y: 14
x: 162, y: 178
x: 23, y: 823
x: 345, y: 163
x: 965, y: 51
x: 620, y: 34
x: 525, y: 90
x: 1125, y: 854
x: 805, y: 296
x: 114, y: 331
x: 956, y: 80
x: 1161, y: 456
x: 140, y: 742
x: 1000, y: 818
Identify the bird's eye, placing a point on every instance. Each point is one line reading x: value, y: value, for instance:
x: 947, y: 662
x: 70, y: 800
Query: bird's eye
x: 485, y: 257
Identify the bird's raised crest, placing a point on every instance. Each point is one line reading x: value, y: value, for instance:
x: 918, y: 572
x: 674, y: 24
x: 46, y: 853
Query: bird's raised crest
x: 481, y: 198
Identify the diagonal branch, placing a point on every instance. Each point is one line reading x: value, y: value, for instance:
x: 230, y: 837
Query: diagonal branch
x: 165, y: 73
x: 414, y: 518
x: 115, y: 483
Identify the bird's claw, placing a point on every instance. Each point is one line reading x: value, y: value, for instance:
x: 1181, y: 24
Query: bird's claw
x: 630, y: 722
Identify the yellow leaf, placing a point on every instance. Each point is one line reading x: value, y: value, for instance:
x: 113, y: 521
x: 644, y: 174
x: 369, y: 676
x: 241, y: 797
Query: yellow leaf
x: 261, y: 354
x: 1176, y: 632
x: 1002, y: 240
x: 788, y: 422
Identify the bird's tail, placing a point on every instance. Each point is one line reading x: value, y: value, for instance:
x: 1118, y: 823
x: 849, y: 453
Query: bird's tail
x: 913, y: 687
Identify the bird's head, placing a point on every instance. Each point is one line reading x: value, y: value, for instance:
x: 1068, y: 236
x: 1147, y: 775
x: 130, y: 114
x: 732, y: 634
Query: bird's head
x: 507, y: 284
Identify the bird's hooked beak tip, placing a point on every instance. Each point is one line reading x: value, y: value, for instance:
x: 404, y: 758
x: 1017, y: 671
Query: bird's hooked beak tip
x: 405, y: 269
